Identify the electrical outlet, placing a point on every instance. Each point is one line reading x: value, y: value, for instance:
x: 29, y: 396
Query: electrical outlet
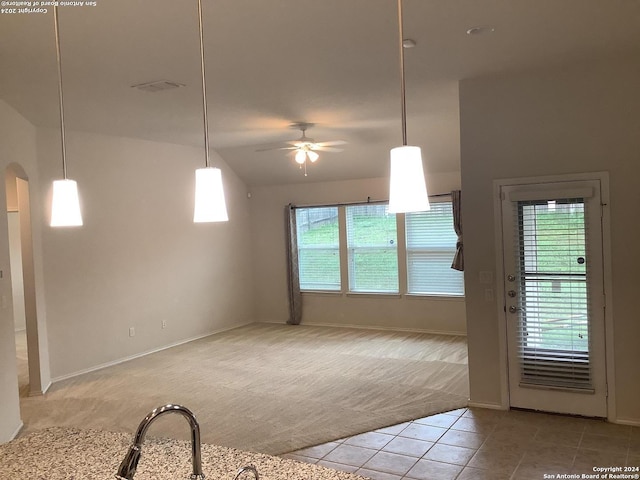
x: 164, y: 324
x: 132, y: 332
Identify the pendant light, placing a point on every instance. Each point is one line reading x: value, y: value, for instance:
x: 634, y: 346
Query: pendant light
x: 407, y: 187
x: 65, y: 205
x: 210, y: 204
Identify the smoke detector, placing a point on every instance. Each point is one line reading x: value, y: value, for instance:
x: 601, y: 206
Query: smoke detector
x: 157, y: 86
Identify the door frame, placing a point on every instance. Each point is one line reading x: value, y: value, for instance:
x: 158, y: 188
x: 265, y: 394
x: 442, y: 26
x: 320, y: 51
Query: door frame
x: 37, y: 349
x: 603, y: 177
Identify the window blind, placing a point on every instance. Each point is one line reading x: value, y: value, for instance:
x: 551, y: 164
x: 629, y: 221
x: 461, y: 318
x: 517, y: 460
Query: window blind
x: 318, y: 248
x: 431, y: 246
x: 372, y: 249
x: 553, y: 328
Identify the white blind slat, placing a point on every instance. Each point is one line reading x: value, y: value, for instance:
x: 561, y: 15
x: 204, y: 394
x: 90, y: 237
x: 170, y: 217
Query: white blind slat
x: 553, y: 328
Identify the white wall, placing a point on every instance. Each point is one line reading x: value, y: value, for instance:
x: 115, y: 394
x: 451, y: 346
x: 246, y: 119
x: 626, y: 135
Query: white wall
x: 17, y: 145
x: 568, y: 120
x: 139, y: 259
x: 269, y: 264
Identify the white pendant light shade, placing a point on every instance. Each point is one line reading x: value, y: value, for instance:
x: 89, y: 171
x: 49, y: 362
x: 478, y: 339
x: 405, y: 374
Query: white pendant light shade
x: 210, y: 205
x: 407, y: 187
x: 65, y: 207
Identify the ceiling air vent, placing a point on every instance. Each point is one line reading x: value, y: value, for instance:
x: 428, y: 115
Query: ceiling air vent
x: 157, y: 86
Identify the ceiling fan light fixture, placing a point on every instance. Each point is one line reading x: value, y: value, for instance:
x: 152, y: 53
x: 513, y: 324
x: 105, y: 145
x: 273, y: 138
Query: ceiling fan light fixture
x: 301, y: 156
x: 313, y: 156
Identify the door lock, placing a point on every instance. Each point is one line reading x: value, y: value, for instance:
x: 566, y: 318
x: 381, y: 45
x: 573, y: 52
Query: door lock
x: 511, y: 293
x: 513, y: 309
x: 511, y: 278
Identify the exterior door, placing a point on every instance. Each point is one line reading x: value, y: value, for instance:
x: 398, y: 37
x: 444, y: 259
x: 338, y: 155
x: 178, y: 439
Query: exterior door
x: 554, y: 297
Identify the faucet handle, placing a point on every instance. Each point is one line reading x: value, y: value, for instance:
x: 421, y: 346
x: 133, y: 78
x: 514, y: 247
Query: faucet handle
x: 247, y: 468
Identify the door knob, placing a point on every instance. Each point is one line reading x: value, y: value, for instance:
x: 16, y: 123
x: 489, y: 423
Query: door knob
x: 513, y: 309
x: 511, y: 278
x: 511, y: 293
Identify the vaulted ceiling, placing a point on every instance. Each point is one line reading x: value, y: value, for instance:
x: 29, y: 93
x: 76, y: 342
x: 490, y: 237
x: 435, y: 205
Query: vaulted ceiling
x: 270, y: 63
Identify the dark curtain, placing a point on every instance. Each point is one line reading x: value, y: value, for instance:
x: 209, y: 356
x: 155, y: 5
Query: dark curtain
x: 293, y: 278
x: 458, y: 259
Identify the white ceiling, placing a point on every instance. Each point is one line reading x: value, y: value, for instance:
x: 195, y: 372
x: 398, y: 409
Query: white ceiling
x: 273, y: 62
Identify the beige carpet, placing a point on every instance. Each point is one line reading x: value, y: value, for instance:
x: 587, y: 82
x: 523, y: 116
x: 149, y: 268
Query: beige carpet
x: 269, y: 388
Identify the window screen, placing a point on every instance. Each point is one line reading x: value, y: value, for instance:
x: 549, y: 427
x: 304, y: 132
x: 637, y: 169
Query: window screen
x: 318, y: 248
x: 372, y: 249
x: 431, y: 246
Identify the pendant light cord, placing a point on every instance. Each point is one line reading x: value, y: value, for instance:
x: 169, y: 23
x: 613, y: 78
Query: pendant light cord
x: 403, y: 101
x: 62, y: 137
x: 204, y: 88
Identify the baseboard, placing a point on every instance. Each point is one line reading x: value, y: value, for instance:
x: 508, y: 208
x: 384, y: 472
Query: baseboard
x: 491, y: 406
x: 373, y: 327
x: 143, y: 354
x: 627, y: 421
x: 17, y: 432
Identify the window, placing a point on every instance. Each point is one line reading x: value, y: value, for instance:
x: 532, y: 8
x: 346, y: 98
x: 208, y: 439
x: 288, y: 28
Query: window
x: 372, y: 250
x: 431, y: 246
x: 354, y: 248
x: 318, y: 248
x: 553, y: 329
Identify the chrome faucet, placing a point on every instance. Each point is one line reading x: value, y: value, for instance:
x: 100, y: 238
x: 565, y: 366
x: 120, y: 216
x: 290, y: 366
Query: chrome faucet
x: 130, y: 463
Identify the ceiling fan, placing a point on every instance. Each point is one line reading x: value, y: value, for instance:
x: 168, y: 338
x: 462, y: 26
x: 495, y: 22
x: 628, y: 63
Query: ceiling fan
x: 306, y: 148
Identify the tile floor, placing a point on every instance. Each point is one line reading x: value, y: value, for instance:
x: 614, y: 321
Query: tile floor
x: 481, y: 444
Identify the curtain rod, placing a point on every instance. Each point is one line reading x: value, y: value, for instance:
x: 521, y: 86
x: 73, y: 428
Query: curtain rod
x: 367, y: 202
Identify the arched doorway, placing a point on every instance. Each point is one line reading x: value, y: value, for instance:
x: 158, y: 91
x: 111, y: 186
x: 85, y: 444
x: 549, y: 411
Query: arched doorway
x: 28, y: 341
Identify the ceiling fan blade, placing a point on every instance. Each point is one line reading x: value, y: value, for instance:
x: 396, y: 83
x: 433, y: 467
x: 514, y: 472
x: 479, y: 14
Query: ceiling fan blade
x: 331, y: 143
x: 320, y: 148
x: 266, y: 149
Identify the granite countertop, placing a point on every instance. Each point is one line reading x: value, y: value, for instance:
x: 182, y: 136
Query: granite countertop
x: 74, y: 454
